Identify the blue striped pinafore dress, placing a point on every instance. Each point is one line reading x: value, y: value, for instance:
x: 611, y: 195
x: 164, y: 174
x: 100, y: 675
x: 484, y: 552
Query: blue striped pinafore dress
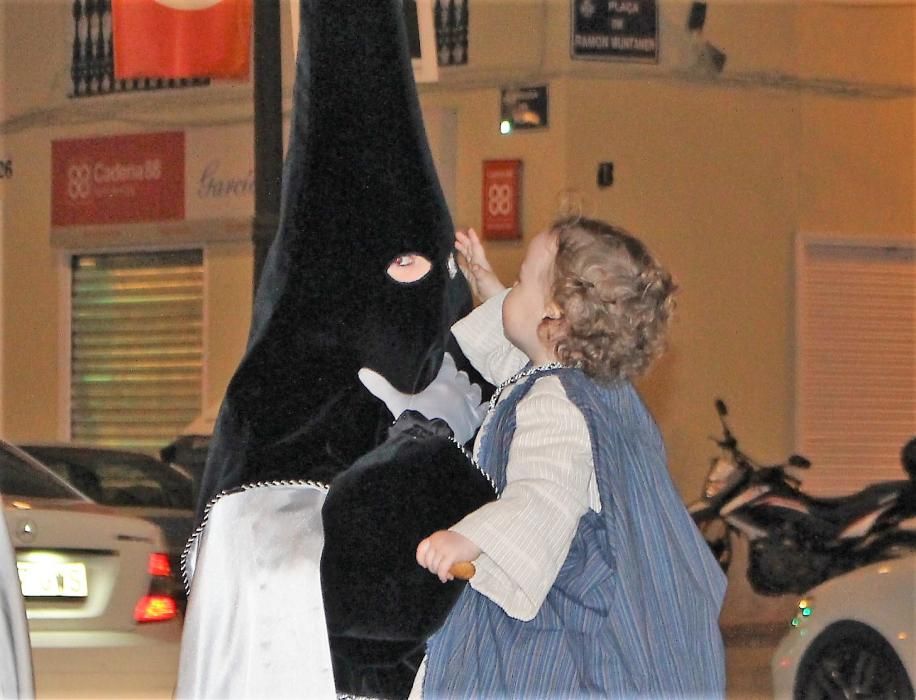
x: 634, y: 610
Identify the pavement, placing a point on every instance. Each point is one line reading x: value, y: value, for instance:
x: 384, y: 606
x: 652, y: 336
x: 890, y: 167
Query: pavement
x: 748, y: 650
x: 752, y: 626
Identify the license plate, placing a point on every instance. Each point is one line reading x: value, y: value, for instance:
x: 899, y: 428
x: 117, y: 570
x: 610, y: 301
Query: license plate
x: 52, y: 579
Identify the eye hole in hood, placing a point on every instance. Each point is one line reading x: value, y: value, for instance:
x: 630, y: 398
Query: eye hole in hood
x: 409, y: 267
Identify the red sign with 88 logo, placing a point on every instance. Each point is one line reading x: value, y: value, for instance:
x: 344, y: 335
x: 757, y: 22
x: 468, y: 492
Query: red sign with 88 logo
x: 117, y: 179
x: 501, y: 196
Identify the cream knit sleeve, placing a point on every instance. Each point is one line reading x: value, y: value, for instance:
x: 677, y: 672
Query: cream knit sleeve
x: 526, y: 534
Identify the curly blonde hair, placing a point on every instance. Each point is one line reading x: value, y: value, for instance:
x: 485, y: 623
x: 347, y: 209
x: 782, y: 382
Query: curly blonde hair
x: 614, y: 299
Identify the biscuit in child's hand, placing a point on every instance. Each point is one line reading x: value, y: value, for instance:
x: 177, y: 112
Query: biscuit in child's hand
x: 463, y: 570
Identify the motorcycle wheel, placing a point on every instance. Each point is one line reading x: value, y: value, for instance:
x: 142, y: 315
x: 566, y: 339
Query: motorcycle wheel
x: 850, y: 660
x: 716, y: 533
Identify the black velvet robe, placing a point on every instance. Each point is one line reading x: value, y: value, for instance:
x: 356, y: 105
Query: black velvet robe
x: 359, y: 189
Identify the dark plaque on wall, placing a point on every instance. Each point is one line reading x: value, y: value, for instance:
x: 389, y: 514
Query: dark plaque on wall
x: 523, y: 108
x: 624, y: 30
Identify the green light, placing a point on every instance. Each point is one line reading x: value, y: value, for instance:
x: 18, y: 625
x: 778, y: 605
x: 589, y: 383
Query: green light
x: 795, y: 621
x: 505, y: 127
x: 806, y: 612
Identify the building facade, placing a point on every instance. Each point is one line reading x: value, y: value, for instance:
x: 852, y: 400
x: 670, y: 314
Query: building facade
x: 734, y: 137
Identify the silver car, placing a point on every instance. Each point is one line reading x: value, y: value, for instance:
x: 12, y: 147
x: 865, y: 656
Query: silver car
x: 134, y: 483
x: 97, y: 585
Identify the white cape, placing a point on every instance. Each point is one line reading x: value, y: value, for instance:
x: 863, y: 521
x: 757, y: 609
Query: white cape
x: 255, y: 625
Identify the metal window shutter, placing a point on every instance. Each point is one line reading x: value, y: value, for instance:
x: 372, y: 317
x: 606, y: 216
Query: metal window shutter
x: 136, y: 347
x: 856, y: 395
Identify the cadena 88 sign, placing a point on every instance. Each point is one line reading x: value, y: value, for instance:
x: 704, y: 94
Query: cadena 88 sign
x: 126, y: 178
x: 501, y: 197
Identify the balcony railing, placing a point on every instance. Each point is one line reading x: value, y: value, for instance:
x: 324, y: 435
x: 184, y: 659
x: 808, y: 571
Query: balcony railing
x: 92, y: 64
x: 452, y: 32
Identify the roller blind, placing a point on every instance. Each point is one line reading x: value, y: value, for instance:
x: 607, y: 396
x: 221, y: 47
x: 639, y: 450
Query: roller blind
x: 856, y: 389
x: 136, y: 347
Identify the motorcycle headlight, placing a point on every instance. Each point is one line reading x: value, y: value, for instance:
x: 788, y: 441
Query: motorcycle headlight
x: 721, y: 473
x: 713, y: 488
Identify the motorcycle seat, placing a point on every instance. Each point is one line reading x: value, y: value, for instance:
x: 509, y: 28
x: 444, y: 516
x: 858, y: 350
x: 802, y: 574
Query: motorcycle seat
x: 842, y: 509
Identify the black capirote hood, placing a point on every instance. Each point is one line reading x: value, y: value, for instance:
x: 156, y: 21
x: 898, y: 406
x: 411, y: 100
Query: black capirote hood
x: 359, y: 190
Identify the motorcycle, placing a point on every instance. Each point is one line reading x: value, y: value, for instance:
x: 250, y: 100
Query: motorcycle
x: 796, y: 541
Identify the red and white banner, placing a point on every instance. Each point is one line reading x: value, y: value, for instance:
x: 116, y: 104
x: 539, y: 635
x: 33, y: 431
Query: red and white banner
x: 118, y: 179
x: 181, y: 38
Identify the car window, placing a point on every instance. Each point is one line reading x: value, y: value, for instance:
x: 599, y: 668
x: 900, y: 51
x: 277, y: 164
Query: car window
x: 128, y: 485
x: 20, y: 478
x: 82, y: 479
x: 114, y: 480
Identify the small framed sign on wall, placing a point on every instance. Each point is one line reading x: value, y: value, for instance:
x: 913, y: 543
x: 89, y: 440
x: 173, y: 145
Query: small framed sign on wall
x: 502, y: 180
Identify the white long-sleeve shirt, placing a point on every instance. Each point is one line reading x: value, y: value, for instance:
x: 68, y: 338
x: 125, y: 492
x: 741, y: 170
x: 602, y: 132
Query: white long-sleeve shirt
x: 525, y: 536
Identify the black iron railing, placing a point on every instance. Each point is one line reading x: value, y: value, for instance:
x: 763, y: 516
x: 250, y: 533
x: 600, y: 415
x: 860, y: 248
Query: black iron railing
x: 92, y: 64
x: 452, y: 32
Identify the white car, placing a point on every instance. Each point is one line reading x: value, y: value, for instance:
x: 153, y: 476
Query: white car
x: 97, y: 588
x: 853, y: 637
x: 133, y: 483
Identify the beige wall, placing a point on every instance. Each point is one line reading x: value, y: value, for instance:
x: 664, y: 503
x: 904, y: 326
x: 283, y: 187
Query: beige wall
x: 859, y: 157
x: 35, y: 287
x: 30, y: 280
x: 228, y: 279
x: 692, y: 183
x: 810, y: 129
x: 34, y: 275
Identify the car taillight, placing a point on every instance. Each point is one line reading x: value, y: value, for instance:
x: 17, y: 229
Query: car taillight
x: 157, y: 605
x: 155, y: 608
x: 159, y: 564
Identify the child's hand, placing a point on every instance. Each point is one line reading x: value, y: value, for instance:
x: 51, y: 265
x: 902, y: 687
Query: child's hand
x: 484, y: 283
x: 442, y: 549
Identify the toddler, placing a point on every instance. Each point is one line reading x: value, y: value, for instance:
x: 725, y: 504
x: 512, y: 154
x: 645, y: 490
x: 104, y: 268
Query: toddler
x: 591, y: 579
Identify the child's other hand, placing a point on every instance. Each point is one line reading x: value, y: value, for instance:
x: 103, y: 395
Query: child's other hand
x: 442, y: 549
x: 484, y: 283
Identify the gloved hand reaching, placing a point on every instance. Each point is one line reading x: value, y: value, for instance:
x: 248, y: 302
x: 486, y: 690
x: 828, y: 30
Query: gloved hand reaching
x: 450, y: 396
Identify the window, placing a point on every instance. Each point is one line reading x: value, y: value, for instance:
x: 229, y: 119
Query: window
x: 118, y: 478
x: 20, y: 478
x: 136, y: 347
x: 856, y: 379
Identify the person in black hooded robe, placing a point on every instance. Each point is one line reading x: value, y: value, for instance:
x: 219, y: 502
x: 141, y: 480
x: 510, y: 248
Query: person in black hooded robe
x: 361, y: 209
